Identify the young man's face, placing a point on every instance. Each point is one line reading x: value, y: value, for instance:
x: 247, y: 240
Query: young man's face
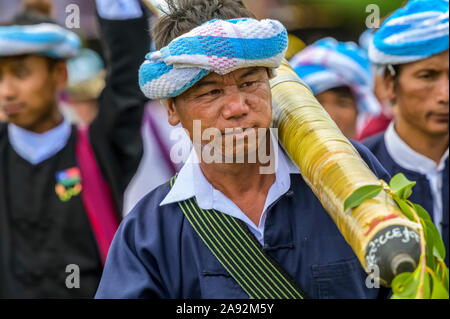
x: 342, y: 106
x: 240, y: 99
x: 29, y: 87
x: 422, y: 94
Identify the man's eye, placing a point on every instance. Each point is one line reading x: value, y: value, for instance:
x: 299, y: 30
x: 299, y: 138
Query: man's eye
x: 248, y: 84
x: 427, y: 75
x: 21, y: 73
x: 211, y: 93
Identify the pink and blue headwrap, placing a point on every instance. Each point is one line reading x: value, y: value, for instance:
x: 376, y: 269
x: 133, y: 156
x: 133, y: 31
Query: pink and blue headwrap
x: 328, y: 64
x: 220, y: 46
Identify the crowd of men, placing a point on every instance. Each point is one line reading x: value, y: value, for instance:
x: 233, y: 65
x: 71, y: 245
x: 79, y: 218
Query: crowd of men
x: 87, y: 176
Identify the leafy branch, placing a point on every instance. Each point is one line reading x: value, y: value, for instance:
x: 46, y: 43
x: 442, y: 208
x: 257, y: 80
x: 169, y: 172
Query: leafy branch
x: 430, y: 280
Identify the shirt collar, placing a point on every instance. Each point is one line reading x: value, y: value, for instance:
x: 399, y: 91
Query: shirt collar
x: 191, y: 182
x: 36, y: 148
x: 406, y: 157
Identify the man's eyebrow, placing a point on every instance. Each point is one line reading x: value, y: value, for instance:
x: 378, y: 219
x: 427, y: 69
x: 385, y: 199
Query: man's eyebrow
x: 201, y: 83
x: 250, y: 72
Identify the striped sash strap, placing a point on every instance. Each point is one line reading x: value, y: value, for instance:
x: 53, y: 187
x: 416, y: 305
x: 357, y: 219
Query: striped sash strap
x: 237, y: 249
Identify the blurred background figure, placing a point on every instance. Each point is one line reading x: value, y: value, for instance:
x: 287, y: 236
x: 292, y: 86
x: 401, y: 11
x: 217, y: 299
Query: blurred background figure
x: 86, y: 82
x: 62, y: 186
x: 379, y: 122
x: 412, y: 49
x: 34, y: 9
x: 158, y: 164
x: 340, y: 76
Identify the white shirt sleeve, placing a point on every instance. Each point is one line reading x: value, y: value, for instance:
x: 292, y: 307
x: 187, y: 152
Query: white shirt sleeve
x: 119, y: 9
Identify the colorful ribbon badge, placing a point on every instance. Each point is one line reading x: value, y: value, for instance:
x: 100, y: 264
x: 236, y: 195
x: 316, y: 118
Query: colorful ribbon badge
x: 68, y: 183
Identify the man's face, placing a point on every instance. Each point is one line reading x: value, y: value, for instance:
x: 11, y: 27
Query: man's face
x: 341, y: 104
x: 28, y: 89
x: 422, y: 94
x: 239, y: 99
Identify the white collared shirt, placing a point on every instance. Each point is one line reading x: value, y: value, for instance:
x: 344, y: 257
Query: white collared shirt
x: 406, y: 157
x: 36, y: 148
x: 192, y: 183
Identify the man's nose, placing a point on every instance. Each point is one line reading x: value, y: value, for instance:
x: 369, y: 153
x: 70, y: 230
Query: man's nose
x: 8, y: 90
x: 235, y: 104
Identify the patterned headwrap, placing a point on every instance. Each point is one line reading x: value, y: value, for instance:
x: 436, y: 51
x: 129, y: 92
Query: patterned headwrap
x: 328, y: 64
x: 220, y: 46
x: 44, y: 39
x: 414, y: 32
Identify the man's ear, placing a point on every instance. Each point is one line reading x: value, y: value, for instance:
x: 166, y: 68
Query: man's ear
x: 389, y: 86
x: 172, y: 112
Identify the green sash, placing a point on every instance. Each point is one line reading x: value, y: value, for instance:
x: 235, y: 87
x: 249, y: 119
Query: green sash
x: 240, y: 253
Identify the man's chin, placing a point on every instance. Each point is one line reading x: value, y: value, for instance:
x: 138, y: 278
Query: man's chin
x: 21, y: 122
x: 439, y: 129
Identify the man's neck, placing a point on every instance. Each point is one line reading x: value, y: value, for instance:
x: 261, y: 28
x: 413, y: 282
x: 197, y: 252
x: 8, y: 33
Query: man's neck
x: 242, y: 183
x: 236, y: 180
x: 431, y: 146
x: 49, y: 123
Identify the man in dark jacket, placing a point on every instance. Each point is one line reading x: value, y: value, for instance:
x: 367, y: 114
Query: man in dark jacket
x: 61, y: 187
x: 415, y: 59
x: 222, y: 228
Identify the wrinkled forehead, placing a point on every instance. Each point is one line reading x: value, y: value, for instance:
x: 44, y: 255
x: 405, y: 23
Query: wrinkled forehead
x: 237, y: 75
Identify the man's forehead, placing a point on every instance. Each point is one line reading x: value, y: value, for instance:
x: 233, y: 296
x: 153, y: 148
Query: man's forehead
x: 439, y: 61
x: 16, y: 59
x: 237, y: 74
x: 25, y: 60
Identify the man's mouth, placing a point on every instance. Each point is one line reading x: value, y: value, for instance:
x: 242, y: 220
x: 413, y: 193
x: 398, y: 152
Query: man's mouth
x: 440, y: 117
x: 12, y: 108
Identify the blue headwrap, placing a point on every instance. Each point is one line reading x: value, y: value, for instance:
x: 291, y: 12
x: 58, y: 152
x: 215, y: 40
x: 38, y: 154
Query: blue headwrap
x: 44, y: 39
x: 327, y: 64
x: 414, y: 32
x: 220, y: 46
x: 85, y: 66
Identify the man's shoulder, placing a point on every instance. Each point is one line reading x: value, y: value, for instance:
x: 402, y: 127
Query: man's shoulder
x: 151, y: 227
x: 371, y: 159
x: 374, y: 143
x: 149, y: 206
x: 362, y: 148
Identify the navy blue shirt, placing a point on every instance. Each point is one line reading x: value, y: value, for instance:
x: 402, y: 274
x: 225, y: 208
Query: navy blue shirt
x: 156, y: 253
x: 422, y: 194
